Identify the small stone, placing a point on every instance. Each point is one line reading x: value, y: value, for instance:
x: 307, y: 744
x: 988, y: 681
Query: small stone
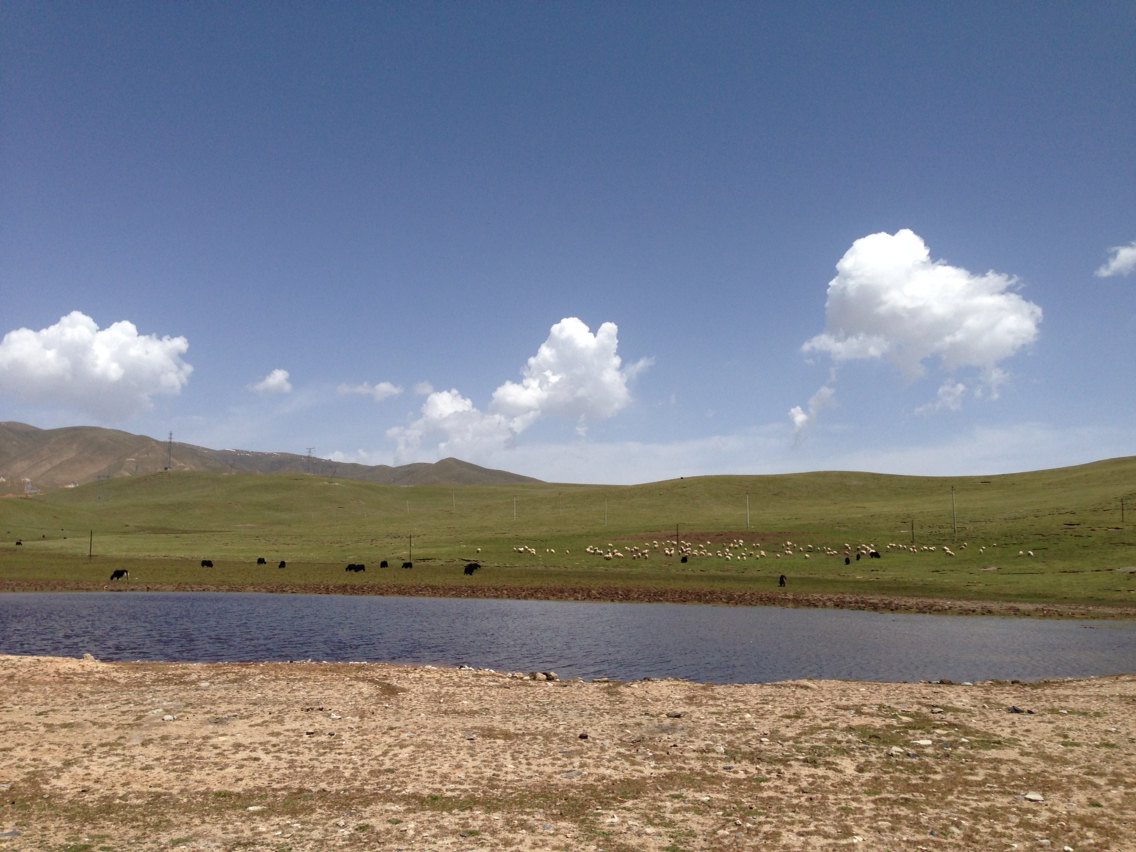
x: 255, y: 808
x: 169, y: 717
x: 1034, y: 797
x: 922, y: 742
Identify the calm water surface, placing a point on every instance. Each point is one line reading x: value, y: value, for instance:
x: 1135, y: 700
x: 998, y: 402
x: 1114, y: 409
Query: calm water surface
x: 623, y: 641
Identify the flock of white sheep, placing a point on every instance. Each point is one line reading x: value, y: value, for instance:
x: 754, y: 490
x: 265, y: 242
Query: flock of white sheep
x: 739, y: 549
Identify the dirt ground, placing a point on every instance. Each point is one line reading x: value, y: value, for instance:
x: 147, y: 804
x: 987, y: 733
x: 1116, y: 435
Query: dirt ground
x: 313, y: 756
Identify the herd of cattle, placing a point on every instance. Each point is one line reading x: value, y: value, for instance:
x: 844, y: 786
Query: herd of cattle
x: 353, y: 567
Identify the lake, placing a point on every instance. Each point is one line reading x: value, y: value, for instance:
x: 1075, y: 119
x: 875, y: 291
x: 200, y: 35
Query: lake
x: 623, y: 641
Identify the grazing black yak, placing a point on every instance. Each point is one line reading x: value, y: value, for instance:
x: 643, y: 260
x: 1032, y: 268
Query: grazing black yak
x: 471, y: 567
x: 119, y: 574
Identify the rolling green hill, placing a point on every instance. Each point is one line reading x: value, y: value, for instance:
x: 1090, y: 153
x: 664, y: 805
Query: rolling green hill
x: 1051, y: 536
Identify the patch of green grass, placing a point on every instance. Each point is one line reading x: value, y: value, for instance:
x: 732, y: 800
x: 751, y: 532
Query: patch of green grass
x: 536, y: 536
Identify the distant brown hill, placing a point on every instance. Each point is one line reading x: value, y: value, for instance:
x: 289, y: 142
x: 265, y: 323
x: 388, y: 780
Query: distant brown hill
x: 74, y: 455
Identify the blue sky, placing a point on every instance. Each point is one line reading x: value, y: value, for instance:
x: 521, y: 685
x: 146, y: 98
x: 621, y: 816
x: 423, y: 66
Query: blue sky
x: 590, y: 242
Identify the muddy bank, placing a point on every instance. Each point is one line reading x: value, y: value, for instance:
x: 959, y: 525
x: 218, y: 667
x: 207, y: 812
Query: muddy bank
x: 626, y: 594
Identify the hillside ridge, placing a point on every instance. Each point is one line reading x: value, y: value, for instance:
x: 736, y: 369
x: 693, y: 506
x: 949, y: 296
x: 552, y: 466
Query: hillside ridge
x: 32, y: 458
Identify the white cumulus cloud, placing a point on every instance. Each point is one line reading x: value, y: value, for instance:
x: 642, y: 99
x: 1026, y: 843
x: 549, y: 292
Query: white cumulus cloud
x: 110, y: 373
x: 890, y: 301
x: 1122, y: 262
x: 275, y: 382
x: 575, y: 375
x: 379, y: 392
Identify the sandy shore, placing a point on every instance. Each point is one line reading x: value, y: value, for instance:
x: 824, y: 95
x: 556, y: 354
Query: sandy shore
x: 313, y: 756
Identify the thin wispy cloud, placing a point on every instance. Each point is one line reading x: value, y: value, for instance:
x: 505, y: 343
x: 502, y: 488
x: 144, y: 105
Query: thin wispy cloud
x: 1122, y: 261
x: 890, y: 302
x: 574, y: 375
x: 377, y: 392
x: 276, y: 382
x: 804, y: 417
x: 109, y: 373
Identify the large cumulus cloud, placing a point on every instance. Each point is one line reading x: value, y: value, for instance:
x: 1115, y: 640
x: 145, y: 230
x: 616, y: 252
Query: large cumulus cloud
x: 890, y: 301
x: 574, y: 374
x: 109, y: 373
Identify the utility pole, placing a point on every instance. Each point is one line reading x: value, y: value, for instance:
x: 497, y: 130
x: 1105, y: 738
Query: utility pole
x: 170, y: 452
x: 747, y: 510
x: 954, y: 517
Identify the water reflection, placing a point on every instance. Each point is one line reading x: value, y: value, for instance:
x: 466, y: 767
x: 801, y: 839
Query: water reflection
x: 622, y: 641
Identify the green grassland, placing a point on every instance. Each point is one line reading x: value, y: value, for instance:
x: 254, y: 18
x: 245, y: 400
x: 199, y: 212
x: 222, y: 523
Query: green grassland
x: 544, y: 537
